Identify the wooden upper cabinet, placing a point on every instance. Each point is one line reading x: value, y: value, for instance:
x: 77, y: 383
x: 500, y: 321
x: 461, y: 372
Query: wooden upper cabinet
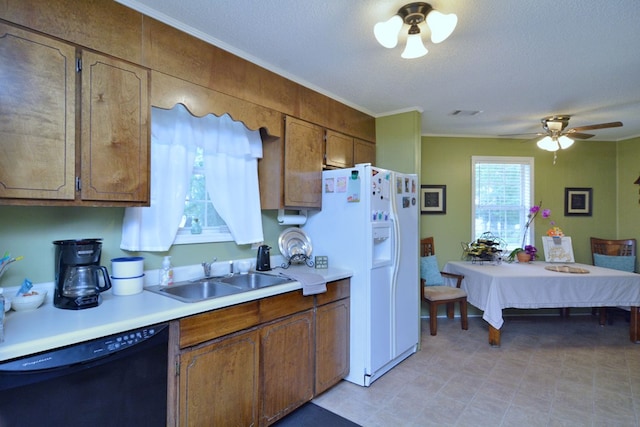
x: 39, y: 107
x: 338, y: 150
x: 37, y: 116
x: 303, y: 155
x: 115, y: 130
x: 364, y: 152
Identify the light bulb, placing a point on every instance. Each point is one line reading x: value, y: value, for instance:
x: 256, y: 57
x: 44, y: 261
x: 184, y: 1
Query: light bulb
x: 415, y: 48
x: 565, y: 142
x: 387, y: 32
x: 441, y: 25
x: 547, y: 143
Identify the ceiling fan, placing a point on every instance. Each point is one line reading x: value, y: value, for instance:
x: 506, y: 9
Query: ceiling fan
x: 556, y: 135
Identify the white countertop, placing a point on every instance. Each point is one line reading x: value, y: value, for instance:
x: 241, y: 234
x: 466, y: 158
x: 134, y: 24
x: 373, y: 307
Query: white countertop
x: 48, y: 327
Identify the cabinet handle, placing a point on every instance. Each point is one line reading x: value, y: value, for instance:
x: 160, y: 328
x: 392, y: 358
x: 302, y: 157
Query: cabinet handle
x: 78, y: 184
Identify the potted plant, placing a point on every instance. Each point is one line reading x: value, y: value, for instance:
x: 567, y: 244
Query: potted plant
x: 526, y: 253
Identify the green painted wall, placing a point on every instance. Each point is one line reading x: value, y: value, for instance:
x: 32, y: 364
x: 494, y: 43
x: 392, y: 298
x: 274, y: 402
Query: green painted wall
x: 628, y: 192
x: 398, y: 143
x: 587, y: 164
x: 29, y: 231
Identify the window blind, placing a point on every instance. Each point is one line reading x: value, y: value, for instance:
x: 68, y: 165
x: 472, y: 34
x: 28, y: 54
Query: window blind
x: 502, y: 195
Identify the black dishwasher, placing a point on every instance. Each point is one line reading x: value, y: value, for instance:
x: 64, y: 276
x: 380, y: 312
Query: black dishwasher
x: 119, y: 380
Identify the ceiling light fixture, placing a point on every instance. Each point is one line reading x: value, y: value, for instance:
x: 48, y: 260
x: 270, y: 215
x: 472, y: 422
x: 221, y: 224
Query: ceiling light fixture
x: 414, y: 14
x: 554, y: 143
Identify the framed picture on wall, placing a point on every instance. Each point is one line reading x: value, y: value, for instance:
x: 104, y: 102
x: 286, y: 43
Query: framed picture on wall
x: 578, y: 201
x: 433, y: 199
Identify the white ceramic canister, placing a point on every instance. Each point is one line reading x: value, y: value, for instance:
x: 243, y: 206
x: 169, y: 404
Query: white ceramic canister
x: 244, y: 266
x: 127, y: 267
x: 127, y: 286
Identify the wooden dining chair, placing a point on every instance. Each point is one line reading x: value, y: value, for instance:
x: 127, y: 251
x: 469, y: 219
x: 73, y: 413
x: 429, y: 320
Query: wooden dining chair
x: 435, y: 292
x: 617, y: 254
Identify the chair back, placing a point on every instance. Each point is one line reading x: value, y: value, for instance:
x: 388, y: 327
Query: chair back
x: 426, y: 247
x: 624, y: 247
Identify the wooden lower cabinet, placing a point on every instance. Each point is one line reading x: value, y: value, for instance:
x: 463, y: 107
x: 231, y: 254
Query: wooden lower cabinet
x: 332, y: 344
x: 287, y: 365
x: 256, y: 362
x: 219, y: 382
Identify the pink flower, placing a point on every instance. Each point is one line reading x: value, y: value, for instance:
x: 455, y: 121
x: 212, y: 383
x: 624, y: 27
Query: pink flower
x: 546, y: 213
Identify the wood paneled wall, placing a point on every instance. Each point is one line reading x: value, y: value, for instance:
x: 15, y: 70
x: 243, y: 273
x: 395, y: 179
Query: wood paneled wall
x: 114, y: 29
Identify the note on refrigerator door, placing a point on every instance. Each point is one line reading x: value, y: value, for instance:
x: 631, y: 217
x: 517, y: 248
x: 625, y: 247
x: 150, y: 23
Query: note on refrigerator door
x: 353, y: 188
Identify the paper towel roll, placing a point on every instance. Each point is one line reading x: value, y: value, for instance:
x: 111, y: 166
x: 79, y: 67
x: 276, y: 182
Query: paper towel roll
x: 289, y: 219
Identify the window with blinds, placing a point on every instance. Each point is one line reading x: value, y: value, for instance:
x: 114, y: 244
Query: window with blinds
x: 502, y: 191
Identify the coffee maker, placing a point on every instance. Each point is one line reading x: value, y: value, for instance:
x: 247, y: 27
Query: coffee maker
x: 78, y: 272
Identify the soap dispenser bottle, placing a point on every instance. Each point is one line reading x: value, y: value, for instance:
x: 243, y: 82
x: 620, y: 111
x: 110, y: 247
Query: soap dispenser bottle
x: 166, y: 273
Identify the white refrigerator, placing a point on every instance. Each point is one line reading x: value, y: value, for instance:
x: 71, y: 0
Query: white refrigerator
x: 369, y: 224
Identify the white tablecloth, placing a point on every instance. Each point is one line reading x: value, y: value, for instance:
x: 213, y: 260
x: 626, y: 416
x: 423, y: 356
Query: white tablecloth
x: 494, y: 287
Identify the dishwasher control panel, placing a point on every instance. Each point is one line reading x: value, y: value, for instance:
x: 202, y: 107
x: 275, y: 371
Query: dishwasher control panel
x: 83, y: 352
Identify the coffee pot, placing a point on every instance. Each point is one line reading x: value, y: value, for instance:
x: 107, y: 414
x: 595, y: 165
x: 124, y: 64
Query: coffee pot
x: 263, y: 260
x: 79, y: 277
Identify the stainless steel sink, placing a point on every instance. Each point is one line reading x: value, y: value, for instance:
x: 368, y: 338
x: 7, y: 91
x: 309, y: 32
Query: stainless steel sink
x: 215, y: 287
x: 197, y: 291
x: 254, y: 280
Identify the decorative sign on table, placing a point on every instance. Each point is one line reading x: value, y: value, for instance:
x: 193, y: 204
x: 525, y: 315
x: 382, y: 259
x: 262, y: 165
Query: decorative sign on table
x: 557, y: 249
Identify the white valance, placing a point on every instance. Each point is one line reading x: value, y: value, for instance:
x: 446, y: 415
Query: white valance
x: 231, y: 153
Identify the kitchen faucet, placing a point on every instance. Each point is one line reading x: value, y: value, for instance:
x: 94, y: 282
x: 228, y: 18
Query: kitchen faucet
x: 207, y: 267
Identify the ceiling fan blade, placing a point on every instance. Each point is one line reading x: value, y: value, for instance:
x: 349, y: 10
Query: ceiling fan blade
x: 598, y: 126
x: 522, y: 134
x: 580, y: 135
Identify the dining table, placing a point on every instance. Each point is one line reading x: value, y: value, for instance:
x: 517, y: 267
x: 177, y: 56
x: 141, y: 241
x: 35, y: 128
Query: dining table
x: 492, y: 287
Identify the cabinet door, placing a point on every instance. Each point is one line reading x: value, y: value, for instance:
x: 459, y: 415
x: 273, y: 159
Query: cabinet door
x: 338, y: 150
x: 287, y: 365
x: 115, y: 130
x: 364, y: 152
x: 37, y: 116
x: 303, y: 155
x: 219, y: 383
x: 332, y: 344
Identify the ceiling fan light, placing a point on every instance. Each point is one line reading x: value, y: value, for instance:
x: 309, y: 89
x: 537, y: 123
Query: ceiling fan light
x: 415, y: 48
x: 547, y: 143
x: 386, y: 32
x: 565, y: 142
x: 441, y: 25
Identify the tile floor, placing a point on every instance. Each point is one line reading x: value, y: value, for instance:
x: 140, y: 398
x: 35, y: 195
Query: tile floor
x: 549, y: 371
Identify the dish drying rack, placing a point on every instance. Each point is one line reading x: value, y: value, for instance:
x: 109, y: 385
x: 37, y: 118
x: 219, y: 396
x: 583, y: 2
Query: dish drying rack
x: 298, y: 259
x: 6, y: 261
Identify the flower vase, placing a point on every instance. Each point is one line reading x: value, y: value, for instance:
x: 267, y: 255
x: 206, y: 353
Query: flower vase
x: 523, y: 257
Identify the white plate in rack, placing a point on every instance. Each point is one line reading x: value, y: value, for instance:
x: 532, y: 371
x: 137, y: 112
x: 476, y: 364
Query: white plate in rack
x: 294, y: 241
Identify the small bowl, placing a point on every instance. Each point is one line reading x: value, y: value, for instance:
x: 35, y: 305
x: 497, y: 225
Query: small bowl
x: 127, y: 285
x: 29, y: 301
x: 126, y: 267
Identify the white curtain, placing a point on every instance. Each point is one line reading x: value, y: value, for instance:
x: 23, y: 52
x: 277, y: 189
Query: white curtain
x: 231, y: 153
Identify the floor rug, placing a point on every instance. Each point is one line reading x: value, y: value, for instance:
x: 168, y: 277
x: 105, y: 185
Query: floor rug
x: 311, y: 415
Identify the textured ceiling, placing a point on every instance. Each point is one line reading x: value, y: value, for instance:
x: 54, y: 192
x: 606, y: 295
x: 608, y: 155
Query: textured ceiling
x: 515, y: 60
